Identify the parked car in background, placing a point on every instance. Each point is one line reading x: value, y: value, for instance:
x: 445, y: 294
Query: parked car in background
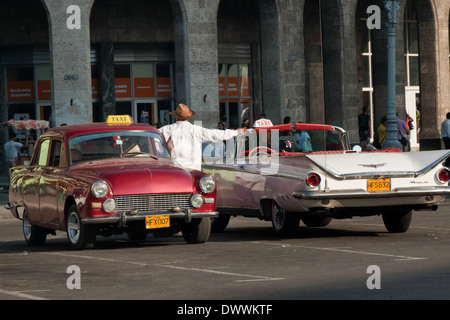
x: 320, y: 178
x: 108, y: 178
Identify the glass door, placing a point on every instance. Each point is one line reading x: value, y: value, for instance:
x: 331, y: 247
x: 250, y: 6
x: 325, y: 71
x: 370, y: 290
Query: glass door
x: 145, y: 112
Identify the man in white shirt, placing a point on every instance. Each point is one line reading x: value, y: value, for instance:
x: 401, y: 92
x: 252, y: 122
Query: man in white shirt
x: 445, y: 131
x: 187, y: 138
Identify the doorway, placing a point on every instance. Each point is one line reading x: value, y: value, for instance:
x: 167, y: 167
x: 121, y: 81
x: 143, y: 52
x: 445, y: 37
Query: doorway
x: 144, y: 112
x: 412, y: 105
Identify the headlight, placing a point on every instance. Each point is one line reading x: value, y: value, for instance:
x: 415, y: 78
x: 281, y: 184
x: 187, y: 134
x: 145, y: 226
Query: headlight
x: 109, y: 205
x: 207, y: 184
x: 197, y: 200
x: 100, y: 189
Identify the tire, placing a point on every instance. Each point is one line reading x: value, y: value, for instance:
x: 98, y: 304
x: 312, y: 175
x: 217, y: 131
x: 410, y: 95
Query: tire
x: 220, y: 223
x: 397, y: 222
x: 80, y: 235
x: 314, y: 221
x: 285, y: 224
x: 34, y: 235
x: 197, y: 231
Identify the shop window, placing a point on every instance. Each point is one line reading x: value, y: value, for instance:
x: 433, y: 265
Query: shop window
x: 19, y: 83
x: 143, y: 80
x: 235, y: 94
x: 44, y: 90
x: 163, y: 80
x: 122, y: 81
x: 123, y: 107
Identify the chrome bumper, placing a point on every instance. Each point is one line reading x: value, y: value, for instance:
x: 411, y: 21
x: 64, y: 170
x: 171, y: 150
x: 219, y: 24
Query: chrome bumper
x: 124, y: 217
x: 359, y: 194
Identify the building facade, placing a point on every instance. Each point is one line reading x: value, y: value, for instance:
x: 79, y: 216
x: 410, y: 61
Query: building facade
x: 320, y: 61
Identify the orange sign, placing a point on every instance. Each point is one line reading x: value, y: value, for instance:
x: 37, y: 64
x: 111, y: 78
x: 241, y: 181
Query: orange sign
x: 245, y: 87
x: 222, y: 86
x: 232, y: 87
x: 44, y: 90
x: 20, y: 91
x: 122, y: 87
x: 94, y: 85
x: 143, y: 88
x: 163, y: 88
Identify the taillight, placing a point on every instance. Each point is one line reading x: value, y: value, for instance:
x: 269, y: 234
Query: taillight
x: 444, y: 175
x: 313, y: 179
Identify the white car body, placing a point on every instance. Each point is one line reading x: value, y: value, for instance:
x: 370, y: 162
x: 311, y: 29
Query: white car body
x: 282, y: 193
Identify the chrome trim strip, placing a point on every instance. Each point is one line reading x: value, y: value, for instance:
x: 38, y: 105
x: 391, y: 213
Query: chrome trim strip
x: 137, y: 217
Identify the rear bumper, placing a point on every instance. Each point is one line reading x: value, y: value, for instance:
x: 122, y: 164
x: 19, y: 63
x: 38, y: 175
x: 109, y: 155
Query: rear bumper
x: 357, y: 194
x: 124, y: 217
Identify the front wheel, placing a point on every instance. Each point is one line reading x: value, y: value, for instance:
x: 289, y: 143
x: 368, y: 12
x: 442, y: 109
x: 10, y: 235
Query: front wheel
x: 197, y: 231
x: 220, y: 223
x: 285, y: 224
x: 397, y: 222
x: 81, y: 236
x: 34, y: 235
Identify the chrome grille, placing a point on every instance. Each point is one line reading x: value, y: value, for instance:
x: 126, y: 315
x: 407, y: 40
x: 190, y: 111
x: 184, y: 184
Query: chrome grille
x: 145, y: 203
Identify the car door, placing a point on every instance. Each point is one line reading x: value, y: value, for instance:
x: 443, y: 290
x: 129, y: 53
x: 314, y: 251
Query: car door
x: 31, y: 182
x: 52, y: 169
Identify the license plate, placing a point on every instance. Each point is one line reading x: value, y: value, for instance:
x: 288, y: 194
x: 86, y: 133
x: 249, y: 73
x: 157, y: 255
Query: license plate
x: 377, y: 185
x: 154, y: 222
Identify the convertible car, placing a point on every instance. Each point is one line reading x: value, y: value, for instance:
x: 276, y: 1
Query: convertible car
x: 108, y: 178
x: 308, y: 172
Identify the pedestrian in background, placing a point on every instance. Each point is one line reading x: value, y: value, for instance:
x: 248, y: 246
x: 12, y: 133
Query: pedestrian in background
x: 364, y: 124
x: 12, y: 148
x: 445, y: 131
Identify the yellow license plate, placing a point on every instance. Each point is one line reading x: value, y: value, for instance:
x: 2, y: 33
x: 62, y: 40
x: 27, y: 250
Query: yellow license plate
x: 377, y: 185
x: 154, y: 222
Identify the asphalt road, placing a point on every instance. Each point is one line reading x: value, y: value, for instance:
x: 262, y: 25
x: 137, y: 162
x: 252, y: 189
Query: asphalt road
x: 247, y: 261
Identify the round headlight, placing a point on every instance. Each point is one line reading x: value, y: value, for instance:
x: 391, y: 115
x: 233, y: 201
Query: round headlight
x: 197, y: 200
x: 100, y: 189
x: 207, y: 184
x: 109, y: 205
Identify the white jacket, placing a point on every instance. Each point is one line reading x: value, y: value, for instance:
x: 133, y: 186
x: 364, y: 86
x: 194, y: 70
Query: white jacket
x: 187, y: 141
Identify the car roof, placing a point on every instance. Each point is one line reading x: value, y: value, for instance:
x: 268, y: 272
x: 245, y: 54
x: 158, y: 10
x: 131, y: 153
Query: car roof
x: 78, y: 129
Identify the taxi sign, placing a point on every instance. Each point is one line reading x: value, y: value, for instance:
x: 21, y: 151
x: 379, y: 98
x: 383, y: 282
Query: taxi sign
x: 123, y: 119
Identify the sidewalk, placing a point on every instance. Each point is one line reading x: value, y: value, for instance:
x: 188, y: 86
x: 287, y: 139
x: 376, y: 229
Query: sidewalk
x: 4, y: 189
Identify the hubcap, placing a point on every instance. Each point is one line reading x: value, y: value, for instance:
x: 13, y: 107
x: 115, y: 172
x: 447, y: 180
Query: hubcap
x: 26, y: 226
x: 73, y: 227
x: 277, y: 216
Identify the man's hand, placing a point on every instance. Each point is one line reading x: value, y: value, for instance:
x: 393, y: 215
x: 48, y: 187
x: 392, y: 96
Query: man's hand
x: 241, y: 131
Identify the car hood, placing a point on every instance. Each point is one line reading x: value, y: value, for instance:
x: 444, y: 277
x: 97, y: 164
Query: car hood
x: 352, y: 165
x: 137, y: 176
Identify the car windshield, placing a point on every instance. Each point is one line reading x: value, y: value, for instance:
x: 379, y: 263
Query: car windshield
x: 117, y: 144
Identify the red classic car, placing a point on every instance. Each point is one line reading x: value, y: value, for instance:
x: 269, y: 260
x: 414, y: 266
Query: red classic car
x: 108, y: 178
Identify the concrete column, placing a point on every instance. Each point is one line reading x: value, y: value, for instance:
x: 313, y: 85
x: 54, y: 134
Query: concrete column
x: 196, y: 47
x: 291, y: 83
x: 106, y: 79
x: 70, y: 60
x: 443, y: 75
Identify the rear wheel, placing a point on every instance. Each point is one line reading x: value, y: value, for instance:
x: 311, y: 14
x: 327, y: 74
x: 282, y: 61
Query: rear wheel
x: 197, y: 231
x: 397, y: 222
x: 285, y: 224
x: 34, y: 235
x: 81, y: 236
